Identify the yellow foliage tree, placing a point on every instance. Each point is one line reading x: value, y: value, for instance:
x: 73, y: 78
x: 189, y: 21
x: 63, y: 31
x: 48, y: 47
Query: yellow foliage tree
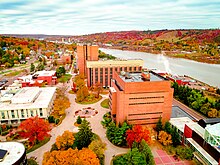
x: 65, y: 141
x: 98, y: 147
x: 165, y: 138
x: 213, y: 113
x: 70, y: 156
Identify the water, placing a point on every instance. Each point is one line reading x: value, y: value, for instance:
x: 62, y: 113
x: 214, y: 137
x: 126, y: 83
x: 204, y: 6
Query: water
x: 208, y: 73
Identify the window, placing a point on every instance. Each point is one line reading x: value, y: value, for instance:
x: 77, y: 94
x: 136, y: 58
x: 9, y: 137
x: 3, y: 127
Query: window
x: 3, y: 115
x: 12, y: 114
x: 32, y: 113
x: 41, y: 112
x: 22, y: 113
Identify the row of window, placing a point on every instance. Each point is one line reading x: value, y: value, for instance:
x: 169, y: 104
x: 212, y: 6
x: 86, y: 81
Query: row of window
x: 157, y: 118
x: 149, y: 113
x: 14, y: 113
x: 133, y: 98
x: 110, y: 71
x: 146, y: 103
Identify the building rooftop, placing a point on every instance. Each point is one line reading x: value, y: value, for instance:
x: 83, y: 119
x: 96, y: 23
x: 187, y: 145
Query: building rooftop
x: 140, y: 76
x: 29, y: 98
x: 44, y: 73
x: 182, y: 121
x: 15, y: 152
x: 178, y: 112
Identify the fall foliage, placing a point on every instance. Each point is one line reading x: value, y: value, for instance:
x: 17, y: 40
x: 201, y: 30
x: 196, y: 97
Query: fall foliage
x: 65, y: 141
x: 164, y: 138
x: 70, y: 156
x: 136, y: 134
x: 35, y: 129
x: 61, y: 103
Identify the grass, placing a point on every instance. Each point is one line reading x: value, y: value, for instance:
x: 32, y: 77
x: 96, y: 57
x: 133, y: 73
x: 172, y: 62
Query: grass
x: 64, y: 78
x: 14, y: 73
x: 85, y: 102
x: 4, y: 72
x: 105, y: 103
x: 36, y: 146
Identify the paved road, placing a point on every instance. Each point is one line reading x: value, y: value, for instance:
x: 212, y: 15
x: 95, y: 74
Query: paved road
x: 67, y: 124
x: 188, y: 110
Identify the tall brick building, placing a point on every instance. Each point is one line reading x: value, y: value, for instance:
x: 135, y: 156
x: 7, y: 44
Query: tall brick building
x: 140, y: 98
x: 101, y: 71
x: 86, y: 53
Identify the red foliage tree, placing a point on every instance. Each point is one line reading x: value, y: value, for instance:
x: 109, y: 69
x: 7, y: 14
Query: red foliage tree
x: 136, y: 134
x: 35, y: 129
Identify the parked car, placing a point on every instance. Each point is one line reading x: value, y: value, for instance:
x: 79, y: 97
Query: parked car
x: 4, y: 81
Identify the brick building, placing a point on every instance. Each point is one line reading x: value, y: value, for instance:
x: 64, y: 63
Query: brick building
x: 101, y: 71
x: 140, y: 98
x: 86, y: 53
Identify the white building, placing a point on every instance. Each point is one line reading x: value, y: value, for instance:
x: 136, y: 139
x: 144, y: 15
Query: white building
x: 13, y: 153
x: 187, y: 130
x: 26, y: 103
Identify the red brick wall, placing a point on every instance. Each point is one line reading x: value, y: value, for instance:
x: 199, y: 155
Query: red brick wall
x: 142, y: 100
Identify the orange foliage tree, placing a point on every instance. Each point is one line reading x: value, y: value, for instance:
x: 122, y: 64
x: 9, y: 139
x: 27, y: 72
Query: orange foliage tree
x: 35, y: 129
x: 165, y: 138
x: 65, y: 141
x: 136, y: 134
x: 70, y: 156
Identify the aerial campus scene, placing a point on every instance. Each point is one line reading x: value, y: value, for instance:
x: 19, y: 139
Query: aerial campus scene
x: 109, y: 82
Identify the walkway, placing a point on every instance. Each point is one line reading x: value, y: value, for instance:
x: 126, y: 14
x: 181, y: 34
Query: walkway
x: 68, y: 124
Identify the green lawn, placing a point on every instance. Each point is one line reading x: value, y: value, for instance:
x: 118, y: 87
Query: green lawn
x: 105, y: 103
x: 64, y: 78
x: 14, y: 73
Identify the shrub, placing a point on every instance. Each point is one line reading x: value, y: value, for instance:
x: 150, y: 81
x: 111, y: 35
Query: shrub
x: 51, y: 119
x: 184, y: 152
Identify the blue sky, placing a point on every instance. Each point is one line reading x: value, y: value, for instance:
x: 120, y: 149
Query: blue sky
x: 76, y: 17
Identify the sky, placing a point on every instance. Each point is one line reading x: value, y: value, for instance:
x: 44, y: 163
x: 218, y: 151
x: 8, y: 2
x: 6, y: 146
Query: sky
x: 77, y: 17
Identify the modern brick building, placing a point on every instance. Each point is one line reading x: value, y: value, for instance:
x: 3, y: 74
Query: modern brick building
x: 101, y: 71
x: 140, y: 98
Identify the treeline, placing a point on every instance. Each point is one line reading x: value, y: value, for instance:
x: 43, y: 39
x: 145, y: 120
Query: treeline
x: 196, y: 100
x: 107, y: 56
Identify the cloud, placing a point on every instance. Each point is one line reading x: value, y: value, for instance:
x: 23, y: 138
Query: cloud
x: 74, y: 17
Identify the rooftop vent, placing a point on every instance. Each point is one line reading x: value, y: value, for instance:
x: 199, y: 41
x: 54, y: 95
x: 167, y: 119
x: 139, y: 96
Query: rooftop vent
x: 145, y: 77
x: 127, y: 76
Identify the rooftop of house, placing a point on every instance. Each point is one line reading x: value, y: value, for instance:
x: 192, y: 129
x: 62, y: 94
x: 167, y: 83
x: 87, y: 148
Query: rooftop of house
x: 140, y: 76
x: 15, y: 152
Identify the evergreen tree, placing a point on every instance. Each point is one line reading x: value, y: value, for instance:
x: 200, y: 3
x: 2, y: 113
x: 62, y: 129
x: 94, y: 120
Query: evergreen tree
x: 159, y: 125
x: 167, y: 127
x: 32, y: 67
x: 175, y: 137
x: 78, y: 120
x: 84, y: 137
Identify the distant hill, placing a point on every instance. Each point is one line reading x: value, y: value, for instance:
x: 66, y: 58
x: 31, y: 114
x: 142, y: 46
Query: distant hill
x: 195, y: 44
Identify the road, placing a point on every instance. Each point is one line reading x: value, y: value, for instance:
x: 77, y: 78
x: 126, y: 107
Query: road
x: 68, y: 124
x: 188, y: 110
